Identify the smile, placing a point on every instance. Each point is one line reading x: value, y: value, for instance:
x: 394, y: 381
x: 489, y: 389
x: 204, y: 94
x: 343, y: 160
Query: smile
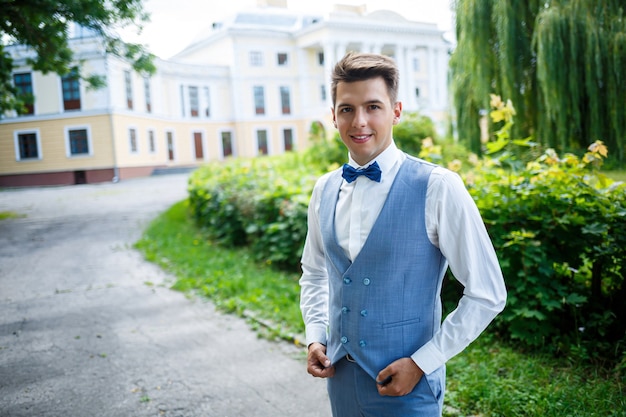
x: 360, y: 138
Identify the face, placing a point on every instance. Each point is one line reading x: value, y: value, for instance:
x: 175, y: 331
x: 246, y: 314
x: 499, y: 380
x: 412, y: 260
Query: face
x: 365, y: 117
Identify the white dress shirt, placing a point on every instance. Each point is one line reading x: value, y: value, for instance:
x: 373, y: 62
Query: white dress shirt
x: 453, y: 225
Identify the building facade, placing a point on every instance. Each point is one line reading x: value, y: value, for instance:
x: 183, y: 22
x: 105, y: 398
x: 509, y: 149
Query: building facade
x: 251, y: 86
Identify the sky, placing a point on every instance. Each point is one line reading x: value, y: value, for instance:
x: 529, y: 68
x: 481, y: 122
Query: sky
x: 176, y: 23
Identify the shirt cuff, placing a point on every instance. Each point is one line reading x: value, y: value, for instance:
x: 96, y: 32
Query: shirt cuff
x: 428, y: 358
x: 316, y: 333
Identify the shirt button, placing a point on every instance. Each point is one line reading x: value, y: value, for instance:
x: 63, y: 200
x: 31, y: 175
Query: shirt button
x: 344, y: 340
x: 344, y: 309
x: 362, y: 343
x: 347, y: 280
x: 364, y: 313
x: 366, y: 281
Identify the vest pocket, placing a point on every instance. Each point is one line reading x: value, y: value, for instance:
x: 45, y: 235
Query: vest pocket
x: 401, y: 323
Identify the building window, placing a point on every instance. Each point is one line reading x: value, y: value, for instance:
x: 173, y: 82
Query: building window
x: 282, y: 59
x: 320, y: 58
x: 285, y: 101
x: 151, y: 141
x: 417, y: 92
x: 261, y: 141
x: 146, y: 87
x: 194, y: 105
x: 182, y: 100
x: 288, y: 139
x: 132, y: 140
x: 170, y: 145
x: 416, y: 64
x: 129, y: 90
x: 256, y: 59
x: 71, y: 91
x: 27, y: 146
x: 207, y: 101
x: 323, y: 92
x: 227, y: 144
x: 78, y: 141
x: 24, y: 85
x: 259, y: 100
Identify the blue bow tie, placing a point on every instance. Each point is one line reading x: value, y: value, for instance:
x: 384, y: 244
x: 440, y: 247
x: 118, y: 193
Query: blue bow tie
x: 372, y: 172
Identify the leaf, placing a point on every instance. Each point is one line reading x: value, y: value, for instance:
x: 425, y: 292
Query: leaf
x: 493, y: 147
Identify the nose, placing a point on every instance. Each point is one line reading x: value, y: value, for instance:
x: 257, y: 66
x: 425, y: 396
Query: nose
x: 360, y: 118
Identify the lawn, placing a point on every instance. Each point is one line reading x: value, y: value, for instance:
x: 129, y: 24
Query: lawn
x: 488, y: 379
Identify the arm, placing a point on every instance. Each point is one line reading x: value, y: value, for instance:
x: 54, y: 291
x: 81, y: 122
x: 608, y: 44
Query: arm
x: 314, y: 292
x: 456, y: 227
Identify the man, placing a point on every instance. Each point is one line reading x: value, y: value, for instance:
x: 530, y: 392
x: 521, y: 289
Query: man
x: 382, y: 232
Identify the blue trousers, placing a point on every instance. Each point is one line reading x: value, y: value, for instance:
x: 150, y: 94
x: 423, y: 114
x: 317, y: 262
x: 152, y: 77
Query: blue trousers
x: 353, y: 393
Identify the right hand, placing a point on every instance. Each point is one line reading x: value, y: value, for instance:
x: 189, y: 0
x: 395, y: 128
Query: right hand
x: 318, y: 363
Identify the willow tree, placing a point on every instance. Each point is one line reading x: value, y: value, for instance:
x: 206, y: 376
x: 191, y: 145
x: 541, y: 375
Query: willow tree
x: 561, y: 62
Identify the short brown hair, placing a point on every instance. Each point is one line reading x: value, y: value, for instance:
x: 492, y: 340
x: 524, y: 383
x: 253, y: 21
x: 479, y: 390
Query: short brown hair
x: 356, y: 66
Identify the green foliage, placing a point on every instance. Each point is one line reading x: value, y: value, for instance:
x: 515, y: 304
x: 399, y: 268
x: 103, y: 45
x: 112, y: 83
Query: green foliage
x: 562, y: 63
x: 43, y: 26
x: 557, y: 224
x: 412, y: 129
x: 258, y: 202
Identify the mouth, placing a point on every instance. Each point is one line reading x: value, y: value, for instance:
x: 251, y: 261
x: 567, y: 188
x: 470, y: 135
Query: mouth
x: 360, y: 138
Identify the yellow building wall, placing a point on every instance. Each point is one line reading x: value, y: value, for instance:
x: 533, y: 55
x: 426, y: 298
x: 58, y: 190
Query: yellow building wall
x: 183, y: 138
x: 48, y: 99
x: 53, y: 151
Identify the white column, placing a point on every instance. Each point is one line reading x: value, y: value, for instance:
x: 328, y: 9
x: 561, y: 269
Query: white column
x: 432, y: 77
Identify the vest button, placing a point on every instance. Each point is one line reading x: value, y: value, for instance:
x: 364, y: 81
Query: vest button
x: 362, y: 343
x: 366, y: 281
x: 364, y: 313
x: 347, y: 280
x: 344, y: 340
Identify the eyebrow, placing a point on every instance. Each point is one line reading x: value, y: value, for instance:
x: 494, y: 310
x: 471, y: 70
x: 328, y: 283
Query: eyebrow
x: 374, y: 101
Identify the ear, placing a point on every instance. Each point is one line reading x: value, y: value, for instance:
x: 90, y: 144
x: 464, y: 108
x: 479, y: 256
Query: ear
x: 332, y: 109
x: 397, y: 112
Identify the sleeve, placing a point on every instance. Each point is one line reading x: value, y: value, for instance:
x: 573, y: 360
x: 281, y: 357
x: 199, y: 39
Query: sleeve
x: 314, y: 280
x: 456, y: 227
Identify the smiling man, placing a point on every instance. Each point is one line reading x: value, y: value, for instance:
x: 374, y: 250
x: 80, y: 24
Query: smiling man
x: 382, y: 232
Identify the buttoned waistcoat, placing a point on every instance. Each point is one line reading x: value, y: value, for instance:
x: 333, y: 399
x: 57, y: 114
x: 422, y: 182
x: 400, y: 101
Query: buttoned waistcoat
x: 386, y: 304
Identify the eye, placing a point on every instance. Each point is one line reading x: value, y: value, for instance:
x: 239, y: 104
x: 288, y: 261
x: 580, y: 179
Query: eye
x: 345, y: 110
x: 374, y: 107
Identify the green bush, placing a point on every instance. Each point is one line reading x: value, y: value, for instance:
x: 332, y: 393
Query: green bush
x: 412, y: 129
x: 257, y: 202
x: 558, y: 225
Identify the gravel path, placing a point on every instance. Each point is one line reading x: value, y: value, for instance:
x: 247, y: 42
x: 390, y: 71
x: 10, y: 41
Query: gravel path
x: 88, y: 328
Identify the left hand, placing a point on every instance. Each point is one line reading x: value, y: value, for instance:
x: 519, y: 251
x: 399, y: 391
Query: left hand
x: 405, y: 374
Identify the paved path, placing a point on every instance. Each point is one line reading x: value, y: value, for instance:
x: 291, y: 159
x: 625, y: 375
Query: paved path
x: 82, y: 333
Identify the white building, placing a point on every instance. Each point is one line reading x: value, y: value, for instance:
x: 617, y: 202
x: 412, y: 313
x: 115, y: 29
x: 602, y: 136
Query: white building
x: 252, y: 85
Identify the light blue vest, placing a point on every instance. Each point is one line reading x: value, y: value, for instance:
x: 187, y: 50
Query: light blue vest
x: 386, y: 304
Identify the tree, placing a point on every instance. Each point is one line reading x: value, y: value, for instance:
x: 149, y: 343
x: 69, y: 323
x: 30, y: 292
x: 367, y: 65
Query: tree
x: 43, y: 26
x: 561, y: 62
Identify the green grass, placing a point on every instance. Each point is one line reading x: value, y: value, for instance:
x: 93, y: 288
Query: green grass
x: 229, y: 277
x: 488, y: 379
x: 10, y: 215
